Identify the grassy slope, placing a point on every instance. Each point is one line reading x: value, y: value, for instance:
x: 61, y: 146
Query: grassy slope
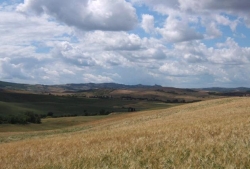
x: 211, y: 134
x: 49, y: 124
x: 16, y: 103
x: 163, y: 94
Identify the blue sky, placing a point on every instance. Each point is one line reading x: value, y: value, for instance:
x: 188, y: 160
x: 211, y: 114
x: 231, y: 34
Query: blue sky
x: 178, y: 43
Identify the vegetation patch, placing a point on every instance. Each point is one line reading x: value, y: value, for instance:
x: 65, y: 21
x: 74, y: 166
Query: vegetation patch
x: 21, y: 118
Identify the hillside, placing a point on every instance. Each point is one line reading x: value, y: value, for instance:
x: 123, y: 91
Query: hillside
x: 208, y: 134
x: 113, y: 90
x: 14, y: 106
x: 127, y: 92
x: 39, y: 88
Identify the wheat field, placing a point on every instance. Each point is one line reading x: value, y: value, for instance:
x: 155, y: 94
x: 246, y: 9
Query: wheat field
x: 209, y: 134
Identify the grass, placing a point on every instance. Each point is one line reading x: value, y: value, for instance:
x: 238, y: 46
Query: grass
x: 210, y: 134
x: 49, y: 124
x: 17, y: 103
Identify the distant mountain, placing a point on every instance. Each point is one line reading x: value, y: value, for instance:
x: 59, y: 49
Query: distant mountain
x: 9, y: 85
x: 127, y: 92
x: 38, y: 88
x: 226, y: 90
x: 70, y: 87
x: 88, y: 86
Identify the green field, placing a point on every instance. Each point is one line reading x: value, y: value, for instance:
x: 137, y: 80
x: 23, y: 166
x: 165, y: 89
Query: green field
x: 49, y: 124
x: 63, y: 105
x: 16, y: 104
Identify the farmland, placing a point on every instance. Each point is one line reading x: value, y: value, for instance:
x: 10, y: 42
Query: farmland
x: 15, y: 105
x: 208, y: 134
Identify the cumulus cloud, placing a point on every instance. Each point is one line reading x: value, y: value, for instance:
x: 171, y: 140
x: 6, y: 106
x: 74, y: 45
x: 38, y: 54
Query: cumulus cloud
x: 223, y: 5
x: 107, y: 49
x: 177, y: 69
x: 191, y: 45
x: 192, y: 52
x: 96, y: 79
x: 14, y: 28
x: 176, y: 30
x: 9, y: 70
x: 148, y: 23
x: 233, y: 5
x: 164, y: 7
x: 86, y: 14
x: 212, y: 30
x: 230, y: 53
x: 208, y: 14
x: 113, y: 40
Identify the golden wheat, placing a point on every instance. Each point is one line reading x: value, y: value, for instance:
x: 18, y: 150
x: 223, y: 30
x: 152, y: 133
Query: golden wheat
x: 211, y: 134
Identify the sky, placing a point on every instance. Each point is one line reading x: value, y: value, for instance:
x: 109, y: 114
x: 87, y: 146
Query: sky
x: 177, y: 43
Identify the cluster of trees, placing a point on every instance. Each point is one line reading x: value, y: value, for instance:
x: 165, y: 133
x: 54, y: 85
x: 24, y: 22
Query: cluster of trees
x: 31, y: 117
x: 228, y: 94
x: 176, y: 101
x: 24, y: 118
x: 51, y: 114
x: 85, y: 113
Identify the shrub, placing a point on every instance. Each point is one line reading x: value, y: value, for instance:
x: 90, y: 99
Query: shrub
x: 104, y: 112
x: 50, y: 114
x: 17, y: 119
x: 32, y: 117
x: 1, y: 120
x: 131, y: 109
x: 24, y: 118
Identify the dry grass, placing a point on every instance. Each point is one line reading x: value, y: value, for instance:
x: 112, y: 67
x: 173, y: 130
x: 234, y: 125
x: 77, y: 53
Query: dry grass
x: 165, y: 94
x: 48, y: 124
x: 211, y: 134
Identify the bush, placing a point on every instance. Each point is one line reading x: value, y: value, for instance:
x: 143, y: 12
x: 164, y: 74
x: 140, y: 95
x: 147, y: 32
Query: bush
x: 104, y: 112
x: 50, y: 114
x: 1, y: 120
x: 17, y: 119
x: 43, y: 116
x: 24, y: 118
x: 131, y: 109
x: 32, y: 117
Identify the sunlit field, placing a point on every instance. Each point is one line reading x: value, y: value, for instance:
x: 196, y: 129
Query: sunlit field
x: 209, y: 134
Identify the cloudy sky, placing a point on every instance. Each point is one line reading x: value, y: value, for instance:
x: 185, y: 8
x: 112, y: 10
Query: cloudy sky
x: 179, y: 43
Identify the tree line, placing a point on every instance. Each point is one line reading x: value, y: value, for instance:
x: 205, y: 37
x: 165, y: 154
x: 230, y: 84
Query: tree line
x: 24, y: 118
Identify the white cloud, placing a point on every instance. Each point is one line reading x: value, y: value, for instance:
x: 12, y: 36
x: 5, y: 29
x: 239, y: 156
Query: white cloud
x: 224, y: 20
x: 212, y: 30
x: 176, y: 30
x: 222, y: 5
x: 192, y: 52
x: 230, y: 53
x: 148, y: 23
x: 177, y: 69
x: 96, y: 78
x: 86, y: 14
x: 233, y: 5
x: 164, y: 7
x: 14, y: 26
x: 186, y: 47
x: 209, y: 14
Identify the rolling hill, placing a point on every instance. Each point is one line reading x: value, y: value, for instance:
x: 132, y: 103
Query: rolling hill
x: 129, y: 92
x: 207, y: 134
x: 113, y: 90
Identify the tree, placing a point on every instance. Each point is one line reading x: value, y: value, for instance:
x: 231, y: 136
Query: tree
x: 131, y: 109
x: 50, y: 114
x: 32, y: 117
